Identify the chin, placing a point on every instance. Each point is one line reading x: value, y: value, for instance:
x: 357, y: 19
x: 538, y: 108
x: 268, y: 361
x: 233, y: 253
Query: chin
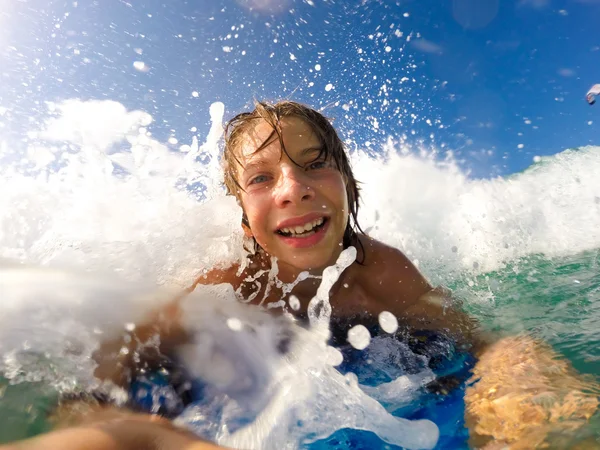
x: 312, y: 264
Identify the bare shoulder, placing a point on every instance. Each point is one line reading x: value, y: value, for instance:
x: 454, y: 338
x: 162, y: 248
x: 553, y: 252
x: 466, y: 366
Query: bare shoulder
x: 115, y: 365
x: 389, y: 274
x: 218, y: 275
x: 379, y: 251
x: 398, y: 286
x: 247, y: 280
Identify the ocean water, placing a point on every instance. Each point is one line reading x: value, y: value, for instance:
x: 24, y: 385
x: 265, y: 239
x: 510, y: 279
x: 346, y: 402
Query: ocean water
x: 100, y: 222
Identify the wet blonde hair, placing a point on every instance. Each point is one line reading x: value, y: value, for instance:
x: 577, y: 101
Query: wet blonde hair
x: 332, y: 149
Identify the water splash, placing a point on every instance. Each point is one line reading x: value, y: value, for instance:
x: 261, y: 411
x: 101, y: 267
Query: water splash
x: 267, y: 383
x: 98, y: 191
x: 302, y: 396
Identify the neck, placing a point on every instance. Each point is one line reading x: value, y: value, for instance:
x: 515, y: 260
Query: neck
x: 296, y: 281
x: 289, y: 274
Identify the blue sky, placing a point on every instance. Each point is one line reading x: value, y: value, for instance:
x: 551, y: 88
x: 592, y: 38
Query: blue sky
x: 495, y: 81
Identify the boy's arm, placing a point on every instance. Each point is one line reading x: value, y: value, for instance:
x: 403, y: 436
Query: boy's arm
x: 116, y: 431
x: 436, y: 309
x: 525, y: 395
x: 402, y: 290
x: 147, y: 343
x: 522, y: 389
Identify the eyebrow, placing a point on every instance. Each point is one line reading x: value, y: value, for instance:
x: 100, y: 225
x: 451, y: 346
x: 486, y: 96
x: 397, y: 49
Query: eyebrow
x: 254, y: 165
x: 261, y: 162
x: 308, y: 150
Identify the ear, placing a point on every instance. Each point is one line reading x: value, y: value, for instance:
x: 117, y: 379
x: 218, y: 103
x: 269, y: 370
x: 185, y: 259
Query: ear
x: 247, y: 230
x: 246, y: 227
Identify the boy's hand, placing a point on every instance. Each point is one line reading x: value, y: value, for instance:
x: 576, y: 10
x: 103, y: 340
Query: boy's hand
x: 522, y: 392
x: 140, y: 346
x: 113, y: 429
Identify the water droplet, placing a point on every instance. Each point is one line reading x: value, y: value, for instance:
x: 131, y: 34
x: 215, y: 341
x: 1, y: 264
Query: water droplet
x: 359, y: 337
x: 294, y: 302
x: 234, y: 324
x: 388, y: 322
x: 141, y: 66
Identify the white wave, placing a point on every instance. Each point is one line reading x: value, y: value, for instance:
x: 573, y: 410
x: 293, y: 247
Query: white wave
x: 449, y: 223
x: 101, y: 193
x: 96, y: 190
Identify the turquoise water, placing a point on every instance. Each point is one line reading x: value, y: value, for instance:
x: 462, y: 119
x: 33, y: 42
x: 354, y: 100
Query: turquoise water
x: 23, y: 408
x: 555, y: 299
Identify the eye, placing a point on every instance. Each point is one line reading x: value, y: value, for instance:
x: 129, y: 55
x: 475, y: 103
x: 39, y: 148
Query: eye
x: 258, y: 179
x: 320, y: 164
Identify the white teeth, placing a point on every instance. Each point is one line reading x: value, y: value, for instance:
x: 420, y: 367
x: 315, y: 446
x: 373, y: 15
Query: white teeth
x: 300, y: 229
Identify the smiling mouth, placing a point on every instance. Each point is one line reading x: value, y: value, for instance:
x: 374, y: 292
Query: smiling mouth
x: 305, y: 230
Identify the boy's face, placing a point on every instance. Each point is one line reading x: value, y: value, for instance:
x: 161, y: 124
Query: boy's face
x: 297, y: 212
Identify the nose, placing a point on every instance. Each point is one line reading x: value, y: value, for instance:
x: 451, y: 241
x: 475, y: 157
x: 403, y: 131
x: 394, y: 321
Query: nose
x: 293, y: 187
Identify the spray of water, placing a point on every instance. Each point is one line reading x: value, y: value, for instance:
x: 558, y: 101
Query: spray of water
x: 97, y: 191
x: 268, y: 383
x: 295, y: 397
